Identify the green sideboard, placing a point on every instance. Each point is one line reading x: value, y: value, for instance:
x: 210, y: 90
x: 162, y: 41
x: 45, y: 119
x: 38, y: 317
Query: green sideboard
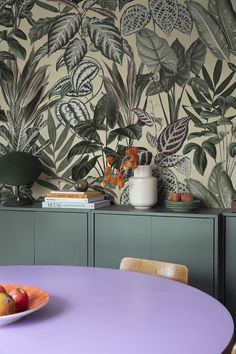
x: 189, y: 238
x: 229, y: 223
x: 16, y: 237
x: 33, y: 235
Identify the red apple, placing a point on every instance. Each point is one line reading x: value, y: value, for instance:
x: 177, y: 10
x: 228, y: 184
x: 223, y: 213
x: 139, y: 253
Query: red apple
x: 186, y: 197
x: 174, y: 197
x: 7, y: 305
x: 2, y: 289
x: 21, y: 299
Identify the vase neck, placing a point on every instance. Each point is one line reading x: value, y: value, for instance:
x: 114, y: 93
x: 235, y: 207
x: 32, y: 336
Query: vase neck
x: 143, y: 171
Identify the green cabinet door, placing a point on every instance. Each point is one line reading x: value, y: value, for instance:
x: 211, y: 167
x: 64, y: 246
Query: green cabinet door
x: 189, y: 241
x: 16, y: 237
x: 118, y: 236
x: 61, y: 238
x: 230, y: 264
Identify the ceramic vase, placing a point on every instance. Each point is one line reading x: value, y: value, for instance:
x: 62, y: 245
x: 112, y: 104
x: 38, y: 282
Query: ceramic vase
x: 143, y: 188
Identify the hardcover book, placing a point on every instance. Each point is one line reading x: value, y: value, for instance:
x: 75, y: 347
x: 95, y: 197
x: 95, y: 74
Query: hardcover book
x: 74, y: 199
x: 74, y: 194
x: 78, y: 205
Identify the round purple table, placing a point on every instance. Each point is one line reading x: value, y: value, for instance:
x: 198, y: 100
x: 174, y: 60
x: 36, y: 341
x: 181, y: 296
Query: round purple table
x: 105, y: 311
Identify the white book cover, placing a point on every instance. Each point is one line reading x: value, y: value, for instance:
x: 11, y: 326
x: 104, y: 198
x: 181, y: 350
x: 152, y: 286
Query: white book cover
x: 76, y: 192
x: 74, y: 200
x: 95, y: 205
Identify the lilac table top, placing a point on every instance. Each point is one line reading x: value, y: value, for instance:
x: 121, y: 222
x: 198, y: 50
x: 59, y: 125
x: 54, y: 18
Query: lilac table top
x: 104, y: 311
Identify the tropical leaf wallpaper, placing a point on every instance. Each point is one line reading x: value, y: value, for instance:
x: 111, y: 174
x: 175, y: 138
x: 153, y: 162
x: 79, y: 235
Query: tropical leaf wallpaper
x: 85, y: 79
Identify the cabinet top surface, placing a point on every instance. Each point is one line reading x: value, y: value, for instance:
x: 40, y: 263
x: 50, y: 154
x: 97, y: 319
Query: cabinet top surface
x: 37, y: 206
x: 124, y: 209
x: 228, y: 212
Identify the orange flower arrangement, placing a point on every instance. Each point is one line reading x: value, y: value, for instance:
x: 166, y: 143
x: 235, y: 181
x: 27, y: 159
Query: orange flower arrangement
x: 116, y: 178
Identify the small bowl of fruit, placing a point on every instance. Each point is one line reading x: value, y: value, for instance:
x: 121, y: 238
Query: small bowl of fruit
x: 17, y: 301
x: 182, y: 202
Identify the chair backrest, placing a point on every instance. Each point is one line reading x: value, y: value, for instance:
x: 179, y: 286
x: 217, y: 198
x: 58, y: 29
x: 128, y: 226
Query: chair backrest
x: 173, y: 271
x: 234, y: 349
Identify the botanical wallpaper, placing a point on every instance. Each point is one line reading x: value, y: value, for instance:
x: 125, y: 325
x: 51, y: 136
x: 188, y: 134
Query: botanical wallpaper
x: 82, y: 80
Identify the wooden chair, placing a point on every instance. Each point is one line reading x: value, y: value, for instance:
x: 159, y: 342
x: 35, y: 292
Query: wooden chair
x: 234, y: 349
x: 173, y: 271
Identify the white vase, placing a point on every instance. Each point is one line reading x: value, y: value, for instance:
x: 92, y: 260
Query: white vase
x: 143, y: 188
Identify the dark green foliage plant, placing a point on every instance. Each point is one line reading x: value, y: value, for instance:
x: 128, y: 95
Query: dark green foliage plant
x: 26, y: 101
x: 211, y: 114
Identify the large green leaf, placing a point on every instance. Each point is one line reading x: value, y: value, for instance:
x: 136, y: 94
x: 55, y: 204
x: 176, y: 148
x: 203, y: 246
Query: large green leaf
x: 183, y: 71
x: 173, y: 136
x: 7, y: 18
x: 200, y: 160
x: 209, y: 31
x: 30, y: 88
x: 75, y: 52
x: 62, y: 137
x: 46, y: 6
x: 133, y: 19
x: 210, y: 148
x: 65, y: 148
x: 164, y: 13
x: 229, y: 90
x: 47, y: 160
x: 18, y: 33
x: 108, y: 4
x: 6, y: 73
x: 72, y: 112
x: 87, y: 131
x: 132, y: 131
x: 23, y: 8
x: 184, y: 21
x: 41, y: 27
x: 202, y: 193
x: 62, y: 86
x: 198, y: 85
x: 224, y: 84
x: 155, y: 51
x: 189, y: 147
x: 41, y: 52
x: 16, y: 48
x: 63, y: 30
x: 51, y: 128
x: 83, y: 168
x: 232, y: 149
x: 82, y: 75
x: 64, y: 163
x: 6, y: 56
x: 48, y: 148
x: 83, y: 147
x: 217, y: 72
x: 223, y: 12
x: 106, y: 108
x: 195, y: 56
x: 207, y: 78
x: 106, y: 37
x: 221, y: 186
x: 231, y: 101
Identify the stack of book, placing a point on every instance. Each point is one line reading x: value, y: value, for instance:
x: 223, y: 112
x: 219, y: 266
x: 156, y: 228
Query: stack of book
x: 72, y: 199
